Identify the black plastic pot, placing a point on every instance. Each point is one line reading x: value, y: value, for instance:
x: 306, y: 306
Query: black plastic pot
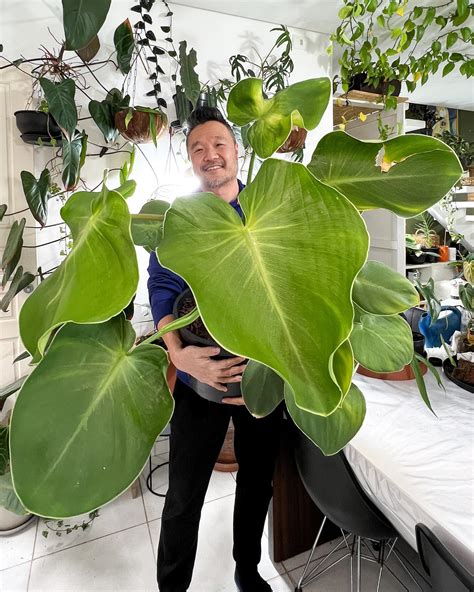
x: 418, y: 342
x: 358, y: 82
x: 190, y: 338
x: 413, y: 259
x: 431, y: 254
x: 37, y: 124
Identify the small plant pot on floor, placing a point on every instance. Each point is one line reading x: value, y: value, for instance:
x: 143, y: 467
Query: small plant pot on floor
x: 196, y: 334
x: 11, y: 523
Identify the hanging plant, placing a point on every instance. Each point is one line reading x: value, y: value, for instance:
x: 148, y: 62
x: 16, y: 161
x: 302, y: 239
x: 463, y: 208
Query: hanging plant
x: 140, y: 125
x: 365, y: 26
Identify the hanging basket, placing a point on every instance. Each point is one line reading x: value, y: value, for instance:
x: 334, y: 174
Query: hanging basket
x: 137, y: 125
x: 295, y: 140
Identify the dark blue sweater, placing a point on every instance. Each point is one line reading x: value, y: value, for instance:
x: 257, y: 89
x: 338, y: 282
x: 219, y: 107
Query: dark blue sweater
x: 164, y: 286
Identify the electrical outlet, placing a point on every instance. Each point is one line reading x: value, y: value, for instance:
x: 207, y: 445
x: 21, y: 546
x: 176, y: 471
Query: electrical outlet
x: 299, y: 42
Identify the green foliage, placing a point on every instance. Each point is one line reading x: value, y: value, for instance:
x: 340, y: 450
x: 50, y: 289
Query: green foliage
x: 82, y: 20
x: 124, y: 45
x: 61, y: 103
x: 363, y: 23
x: 189, y: 78
x: 147, y: 225
x: 262, y: 388
x: 73, y: 154
x: 463, y: 148
x: 37, y: 194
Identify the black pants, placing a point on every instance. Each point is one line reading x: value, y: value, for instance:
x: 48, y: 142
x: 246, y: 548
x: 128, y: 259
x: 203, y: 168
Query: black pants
x: 198, y: 429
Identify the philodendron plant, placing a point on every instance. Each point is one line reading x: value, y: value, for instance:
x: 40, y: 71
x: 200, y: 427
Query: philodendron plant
x: 271, y: 287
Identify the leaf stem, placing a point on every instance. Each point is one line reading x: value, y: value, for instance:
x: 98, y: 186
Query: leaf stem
x: 252, y: 161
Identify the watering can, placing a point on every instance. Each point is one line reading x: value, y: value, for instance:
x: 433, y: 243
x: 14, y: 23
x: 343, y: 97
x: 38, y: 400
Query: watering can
x: 445, y: 325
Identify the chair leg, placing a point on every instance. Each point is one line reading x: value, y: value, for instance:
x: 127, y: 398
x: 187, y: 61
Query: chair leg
x: 311, y: 554
x: 358, y: 565
x: 381, y: 561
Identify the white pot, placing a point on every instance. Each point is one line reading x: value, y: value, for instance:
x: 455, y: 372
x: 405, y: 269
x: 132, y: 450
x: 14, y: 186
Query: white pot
x: 11, y: 523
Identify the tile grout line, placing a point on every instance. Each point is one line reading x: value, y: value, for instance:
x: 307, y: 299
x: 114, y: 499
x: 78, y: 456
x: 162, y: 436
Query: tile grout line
x: 87, y: 542
x: 32, y: 554
x: 147, y: 522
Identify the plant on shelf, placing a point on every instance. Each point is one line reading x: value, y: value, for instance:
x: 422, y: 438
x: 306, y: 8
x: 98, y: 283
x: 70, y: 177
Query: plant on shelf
x: 462, y: 148
x: 384, y: 44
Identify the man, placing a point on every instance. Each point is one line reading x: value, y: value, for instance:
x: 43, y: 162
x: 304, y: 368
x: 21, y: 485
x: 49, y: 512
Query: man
x: 198, y: 426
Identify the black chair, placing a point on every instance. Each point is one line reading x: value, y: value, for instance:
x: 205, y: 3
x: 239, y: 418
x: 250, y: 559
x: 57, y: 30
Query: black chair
x: 333, y: 487
x: 445, y: 571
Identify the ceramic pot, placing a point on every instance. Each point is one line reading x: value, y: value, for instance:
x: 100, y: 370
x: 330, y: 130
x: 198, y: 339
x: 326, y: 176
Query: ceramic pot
x: 445, y: 326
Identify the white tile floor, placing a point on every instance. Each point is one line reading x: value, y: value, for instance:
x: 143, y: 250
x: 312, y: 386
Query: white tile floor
x: 118, y: 553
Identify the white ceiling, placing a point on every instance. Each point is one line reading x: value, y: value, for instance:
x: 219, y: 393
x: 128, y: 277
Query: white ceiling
x: 321, y: 16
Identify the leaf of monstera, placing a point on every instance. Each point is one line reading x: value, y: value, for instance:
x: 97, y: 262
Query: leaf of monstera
x: 380, y: 290
x: 262, y: 389
x: 86, y: 418
x: 97, y: 279
x: 61, y: 104
x: 301, y: 104
x: 147, y: 225
x: 273, y: 289
x: 37, y: 194
x: 82, y: 20
x: 406, y: 174
x: 331, y: 433
x: 382, y: 343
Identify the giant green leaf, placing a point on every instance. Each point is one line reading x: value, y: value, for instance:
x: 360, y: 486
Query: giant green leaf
x: 301, y: 104
x: 382, y: 344
x: 8, y: 497
x: 147, y: 225
x: 262, y: 388
x: 86, y: 418
x: 97, y: 279
x: 61, y: 104
x: 189, y: 78
x: 37, y: 194
x: 331, y: 433
x: 406, y: 174
x: 82, y: 20
x: 380, y: 290
x: 273, y: 288
x: 124, y: 45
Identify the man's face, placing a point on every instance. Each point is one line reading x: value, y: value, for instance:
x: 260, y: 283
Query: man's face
x: 214, y: 154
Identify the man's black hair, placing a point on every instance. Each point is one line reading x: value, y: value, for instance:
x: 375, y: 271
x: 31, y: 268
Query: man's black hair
x: 202, y: 115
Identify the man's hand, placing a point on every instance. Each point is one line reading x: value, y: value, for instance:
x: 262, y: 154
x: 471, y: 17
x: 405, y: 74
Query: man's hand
x: 197, y: 362
x: 233, y: 400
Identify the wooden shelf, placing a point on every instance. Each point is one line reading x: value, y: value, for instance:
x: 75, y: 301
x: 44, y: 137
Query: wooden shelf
x: 357, y: 101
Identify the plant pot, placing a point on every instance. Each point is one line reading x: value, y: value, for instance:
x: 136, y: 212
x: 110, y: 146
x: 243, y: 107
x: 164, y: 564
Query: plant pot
x: 431, y: 254
x: 11, y: 523
x: 462, y: 376
x: 37, y: 124
x: 295, y: 140
x: 358, y: 82
x: 196, y: 334
x: 226, y: 461
x: 138, y: 129
x: 412, y: 259
x: 443, y: 254
x: 405, y: 374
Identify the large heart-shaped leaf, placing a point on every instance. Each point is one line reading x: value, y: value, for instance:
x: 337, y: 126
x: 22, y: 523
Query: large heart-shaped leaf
x: 82, y: 20
x: 331, y: 433
x: 301, y: 104
x: 382, y: 343
x: 97, y: 279
x: 262, y: 389
x: 380, y: 290
x: 406, y: 174
x: 189, y: 78
x: 86, y: 418
x: 61, y: 104
x: 37, y: 194
x: 124, y: 45
x: 273, y: 288
x: 147, y: 225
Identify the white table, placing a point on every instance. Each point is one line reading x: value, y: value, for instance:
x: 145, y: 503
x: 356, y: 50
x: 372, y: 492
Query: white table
x: 417, y: 467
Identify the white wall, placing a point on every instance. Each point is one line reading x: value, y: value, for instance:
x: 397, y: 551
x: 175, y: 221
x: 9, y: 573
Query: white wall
x: 215, y: 37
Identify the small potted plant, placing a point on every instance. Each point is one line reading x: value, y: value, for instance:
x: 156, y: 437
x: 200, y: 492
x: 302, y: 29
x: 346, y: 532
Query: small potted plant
x: 427, y: 237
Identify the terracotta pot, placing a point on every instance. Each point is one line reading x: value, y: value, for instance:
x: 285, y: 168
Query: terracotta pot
x: 226, y: 461
x: 443, y: 254
x: 405, y: 374
x: 138, y: 129
x: 295, y: 140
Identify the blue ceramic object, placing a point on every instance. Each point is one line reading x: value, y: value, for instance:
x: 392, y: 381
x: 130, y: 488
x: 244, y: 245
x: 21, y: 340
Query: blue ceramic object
x: 444, y: 326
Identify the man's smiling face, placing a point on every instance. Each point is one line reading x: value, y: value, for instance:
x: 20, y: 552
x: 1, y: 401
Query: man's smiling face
x: 214, y: 155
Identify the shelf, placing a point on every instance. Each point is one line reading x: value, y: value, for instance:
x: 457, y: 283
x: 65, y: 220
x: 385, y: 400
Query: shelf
x: 415, y: 266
